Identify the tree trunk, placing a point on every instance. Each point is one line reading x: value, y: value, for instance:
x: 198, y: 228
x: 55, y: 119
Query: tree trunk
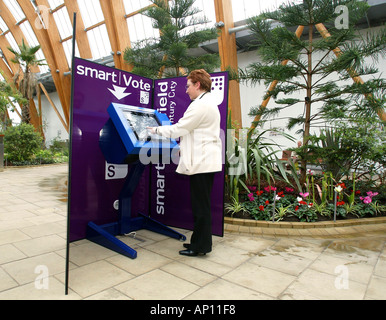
x: 25, y: 114
x: 308, y: 102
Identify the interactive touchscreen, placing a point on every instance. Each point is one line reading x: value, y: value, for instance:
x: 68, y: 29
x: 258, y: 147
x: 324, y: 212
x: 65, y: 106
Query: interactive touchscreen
x: 139, y: 121
x: 126, y: 133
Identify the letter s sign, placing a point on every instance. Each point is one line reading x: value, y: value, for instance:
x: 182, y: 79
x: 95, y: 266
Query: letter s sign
x: 116, y: 171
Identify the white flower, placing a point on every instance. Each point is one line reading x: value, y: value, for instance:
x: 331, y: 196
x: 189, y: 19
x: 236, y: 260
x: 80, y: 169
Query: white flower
x: 338, y: 189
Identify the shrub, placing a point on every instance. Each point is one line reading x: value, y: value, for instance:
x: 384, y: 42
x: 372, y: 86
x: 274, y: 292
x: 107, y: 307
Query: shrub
x: 21, y: 142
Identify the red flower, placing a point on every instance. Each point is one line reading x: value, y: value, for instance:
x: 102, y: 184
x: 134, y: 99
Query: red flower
x: 342, y: 184
x: 281, y: 194
x: 296, y: 208
x: 357, y: 192
x: 267, y: 202
x: 261, y: 208
x: 259, y: 193
x: 302, y: 202
x: 340, y: 203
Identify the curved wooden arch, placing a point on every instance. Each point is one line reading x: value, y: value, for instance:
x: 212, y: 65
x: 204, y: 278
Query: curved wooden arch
x: 117, y: 28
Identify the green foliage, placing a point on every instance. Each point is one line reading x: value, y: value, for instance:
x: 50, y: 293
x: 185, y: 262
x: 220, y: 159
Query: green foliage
x: 305, y: 65
x: 24, y: 146
x: 7, y: 94
x: 357, y: 146
x: 21, y: 142
x: 235, y: 207
x: 25, y: 78
x: 251, y: 157
x: 169, y: 55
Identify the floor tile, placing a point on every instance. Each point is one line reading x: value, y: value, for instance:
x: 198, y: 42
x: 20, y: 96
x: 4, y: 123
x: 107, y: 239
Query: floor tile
x: 157, y: 285
x: 96, y: 277
x: 225, y: 290
x: 377, y: 288
x: 320, y: 285
x: 145, y: 262
x: 188, y: 273
x: 29, y: 269
x: 260, y: 279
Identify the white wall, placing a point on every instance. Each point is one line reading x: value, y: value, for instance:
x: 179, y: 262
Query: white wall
x: 53, y: 127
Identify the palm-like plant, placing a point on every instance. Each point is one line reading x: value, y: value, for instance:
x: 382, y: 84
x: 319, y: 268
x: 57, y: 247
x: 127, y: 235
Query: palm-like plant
x: 25, y: 79
x: 251, y: 158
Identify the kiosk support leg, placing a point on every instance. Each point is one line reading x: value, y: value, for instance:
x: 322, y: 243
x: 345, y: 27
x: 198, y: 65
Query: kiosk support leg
x: 100, y: 236
x: 155, y: 226
x: 105, y: 235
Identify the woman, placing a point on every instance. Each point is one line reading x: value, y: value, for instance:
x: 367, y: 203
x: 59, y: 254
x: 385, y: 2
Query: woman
x: 200, y: 155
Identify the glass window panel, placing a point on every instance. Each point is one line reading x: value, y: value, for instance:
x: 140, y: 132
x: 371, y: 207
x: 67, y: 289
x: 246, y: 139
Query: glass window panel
x: 63, y: 23
x: 244, y: 9
x: 55, y: 3
x: 12, y: 42
x: 99, y: 42
x: 207, y: 11
x: 140, y: 28
x: 91, y: 12
x: 134, y: 5
x: 3, y: 25
x: 15, y: 9
x: 29, y: 34
x: 67, y: 46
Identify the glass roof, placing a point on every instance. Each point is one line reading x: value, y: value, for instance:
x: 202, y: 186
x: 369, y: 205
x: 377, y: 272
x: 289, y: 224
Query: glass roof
x: 139, y: 26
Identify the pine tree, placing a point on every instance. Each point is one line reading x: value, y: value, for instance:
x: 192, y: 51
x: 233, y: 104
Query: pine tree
x: 177, y: 22
x: 293, y: 64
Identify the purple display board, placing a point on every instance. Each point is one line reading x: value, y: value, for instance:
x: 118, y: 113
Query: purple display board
x: 95, y: 185
x: 170, y: 192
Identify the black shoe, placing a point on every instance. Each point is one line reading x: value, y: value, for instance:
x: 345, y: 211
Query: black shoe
x: 190, y: 253
x: 187, y: 245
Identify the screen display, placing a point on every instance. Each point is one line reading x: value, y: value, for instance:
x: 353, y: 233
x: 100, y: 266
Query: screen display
x: 139, y: 121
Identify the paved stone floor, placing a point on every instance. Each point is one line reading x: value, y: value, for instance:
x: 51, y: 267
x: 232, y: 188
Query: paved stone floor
x: 242, y: 266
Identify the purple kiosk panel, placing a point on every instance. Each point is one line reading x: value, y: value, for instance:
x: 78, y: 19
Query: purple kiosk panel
x: 170, y: 195
x: 95, y: 184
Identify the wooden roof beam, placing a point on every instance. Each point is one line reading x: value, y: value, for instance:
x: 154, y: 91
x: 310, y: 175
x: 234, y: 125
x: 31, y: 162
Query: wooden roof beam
x: 14, y: 28
x: 228, y: 55
x: 81, y: 35
x: 117, y: 29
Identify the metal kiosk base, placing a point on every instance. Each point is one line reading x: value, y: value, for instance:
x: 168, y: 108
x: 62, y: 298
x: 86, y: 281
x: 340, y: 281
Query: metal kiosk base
x: 105, y: 235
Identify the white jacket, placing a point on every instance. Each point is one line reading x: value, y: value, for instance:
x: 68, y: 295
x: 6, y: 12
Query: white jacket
x: 199, y: 130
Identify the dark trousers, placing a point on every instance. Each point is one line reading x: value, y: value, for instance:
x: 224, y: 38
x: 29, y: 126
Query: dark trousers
x: 200, y: 193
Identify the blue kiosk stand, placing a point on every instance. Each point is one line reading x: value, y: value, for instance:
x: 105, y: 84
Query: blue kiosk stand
x: 123, y: 140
